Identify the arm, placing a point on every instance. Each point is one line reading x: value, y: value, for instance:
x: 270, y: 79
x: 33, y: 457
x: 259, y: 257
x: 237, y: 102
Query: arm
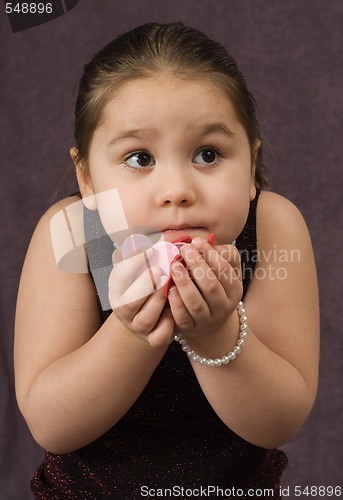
x: 74, y: 378
x: 266, y: 393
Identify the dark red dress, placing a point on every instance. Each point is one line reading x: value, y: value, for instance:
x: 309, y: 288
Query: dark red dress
x: 171, y: 438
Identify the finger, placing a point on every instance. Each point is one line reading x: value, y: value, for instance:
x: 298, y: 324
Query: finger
x: 224, y: 260
x: 225, y: 263
x: 125, y: 271
x: 188, y: 291
x: 229, y: 252
x: 231, y: 255
x: 147, y: 316
x: 163, y: 334
x: 181, y: 315
x: 200, y: 270
x: 135, y: 295
x: 212, y: 274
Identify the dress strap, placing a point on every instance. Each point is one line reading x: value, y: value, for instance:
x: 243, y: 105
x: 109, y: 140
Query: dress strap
x: 246, y: 243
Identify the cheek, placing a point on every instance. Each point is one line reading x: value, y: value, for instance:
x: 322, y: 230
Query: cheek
x: 135, y: 205
x: 231, y: 209
x: 232, y: 191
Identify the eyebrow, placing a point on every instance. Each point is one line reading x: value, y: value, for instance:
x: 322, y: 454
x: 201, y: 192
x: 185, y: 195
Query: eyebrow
x: 207, y: 129
x: 214, y: 128
x: 132, y: 134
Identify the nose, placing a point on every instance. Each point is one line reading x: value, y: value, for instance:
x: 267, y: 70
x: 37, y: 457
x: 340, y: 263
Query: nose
x: 175, y: 186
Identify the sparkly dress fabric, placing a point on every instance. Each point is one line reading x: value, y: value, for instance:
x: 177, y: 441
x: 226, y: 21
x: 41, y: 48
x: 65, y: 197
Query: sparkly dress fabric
x: 171, y: 438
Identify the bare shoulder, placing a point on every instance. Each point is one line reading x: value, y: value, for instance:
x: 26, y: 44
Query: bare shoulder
x: 280, y: 223
x: 43, y: 225
x: 50, y: 241
x: 268, y: 202
x: 56, y: 208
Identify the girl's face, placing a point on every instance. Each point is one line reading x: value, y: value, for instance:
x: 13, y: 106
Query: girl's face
x: 177, y: 155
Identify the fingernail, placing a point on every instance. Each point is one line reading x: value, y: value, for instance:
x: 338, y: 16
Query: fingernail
x: 162, y: 281
x: 186, y: 249
x: 173, y: 291
x: 177, y: 270
x: 197, y: 242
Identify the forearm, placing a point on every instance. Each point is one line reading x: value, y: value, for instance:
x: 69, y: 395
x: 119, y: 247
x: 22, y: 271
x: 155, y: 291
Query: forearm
x: 77, y: 398
x: 259, y: 395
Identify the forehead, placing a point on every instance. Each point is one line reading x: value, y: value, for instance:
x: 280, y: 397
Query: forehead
x: 170, y: 99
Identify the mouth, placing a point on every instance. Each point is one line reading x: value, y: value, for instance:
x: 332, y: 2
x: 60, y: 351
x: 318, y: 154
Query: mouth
x: 174, y: 232
x: 179, y: 227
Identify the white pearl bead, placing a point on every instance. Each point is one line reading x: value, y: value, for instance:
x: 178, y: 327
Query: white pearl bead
x: 243, y: 320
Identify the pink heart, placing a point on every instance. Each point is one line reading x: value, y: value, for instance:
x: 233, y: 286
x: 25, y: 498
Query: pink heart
x: 164, y: 253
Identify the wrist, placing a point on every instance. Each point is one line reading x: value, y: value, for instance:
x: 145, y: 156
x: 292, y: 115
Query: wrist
x: 132, y: 340
x: 229, y: 338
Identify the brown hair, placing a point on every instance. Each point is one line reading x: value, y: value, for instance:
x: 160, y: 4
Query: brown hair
x: 152, y: 49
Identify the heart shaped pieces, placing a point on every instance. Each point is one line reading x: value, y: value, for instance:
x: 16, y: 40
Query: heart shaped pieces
x: 164, y: 253
x: 179, y: 243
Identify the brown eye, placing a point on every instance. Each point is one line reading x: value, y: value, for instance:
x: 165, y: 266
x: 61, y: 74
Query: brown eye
x: 207, y: 156
x: 140, y: 159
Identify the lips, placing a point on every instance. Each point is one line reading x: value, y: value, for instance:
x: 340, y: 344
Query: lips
x: 180, y: 227
x: 174, y: 232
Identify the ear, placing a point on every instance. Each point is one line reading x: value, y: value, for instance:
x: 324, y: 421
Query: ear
x: 84, y: 181
x: 253, y: 170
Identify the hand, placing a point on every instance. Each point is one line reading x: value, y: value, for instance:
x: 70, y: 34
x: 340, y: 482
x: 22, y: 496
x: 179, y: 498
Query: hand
x: 204, y: 298
x: 137, y: 299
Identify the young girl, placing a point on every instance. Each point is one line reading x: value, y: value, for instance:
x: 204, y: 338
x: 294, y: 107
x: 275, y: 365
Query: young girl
x: 164, y: 122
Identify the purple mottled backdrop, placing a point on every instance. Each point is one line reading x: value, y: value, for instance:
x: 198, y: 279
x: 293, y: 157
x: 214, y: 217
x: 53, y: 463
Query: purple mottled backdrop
x: 291, y: 54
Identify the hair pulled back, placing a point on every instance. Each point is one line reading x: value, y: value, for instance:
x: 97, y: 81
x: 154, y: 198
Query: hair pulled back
x: 152, y: 49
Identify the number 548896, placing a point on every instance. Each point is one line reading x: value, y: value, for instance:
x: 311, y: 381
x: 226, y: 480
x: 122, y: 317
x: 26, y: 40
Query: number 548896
x: 317, y: 491
x: 28, y: 8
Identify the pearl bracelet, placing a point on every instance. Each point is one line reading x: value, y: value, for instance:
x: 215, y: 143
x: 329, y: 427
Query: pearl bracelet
x: 231, y: 355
